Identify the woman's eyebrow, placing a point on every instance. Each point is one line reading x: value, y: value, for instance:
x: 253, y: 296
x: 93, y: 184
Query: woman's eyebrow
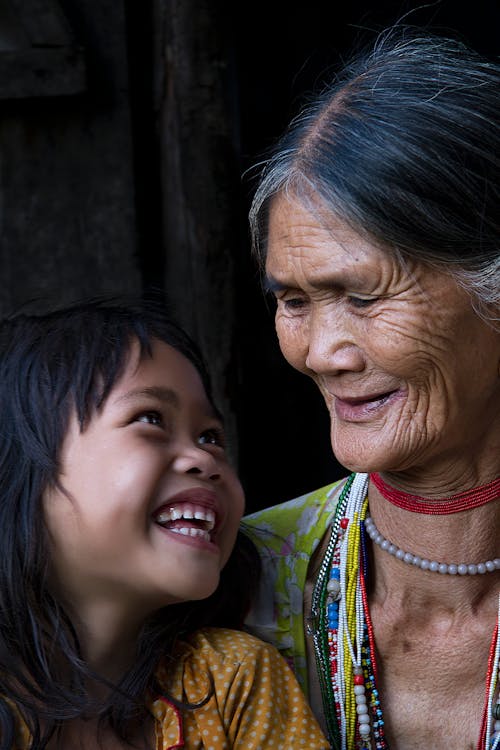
x: 336, y: 280
x: 272, y: 285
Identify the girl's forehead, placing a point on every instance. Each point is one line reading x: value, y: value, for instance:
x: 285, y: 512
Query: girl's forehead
x: 163, y: 372
x: 160, y: 377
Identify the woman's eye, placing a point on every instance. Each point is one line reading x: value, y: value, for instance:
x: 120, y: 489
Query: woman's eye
x: 361, y: 302
x: 292, y: 304
x: 214, y: 436
x: 150, y: 417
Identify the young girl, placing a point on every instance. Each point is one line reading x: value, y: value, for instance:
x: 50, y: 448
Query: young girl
x: 118, y: 512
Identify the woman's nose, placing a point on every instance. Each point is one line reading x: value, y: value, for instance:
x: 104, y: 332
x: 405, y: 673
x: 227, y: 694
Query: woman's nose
x: 332, y: 346
x: 193, y: 459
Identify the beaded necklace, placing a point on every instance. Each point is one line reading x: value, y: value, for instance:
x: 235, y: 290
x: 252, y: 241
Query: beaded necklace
x: 443, y: 506
x: 344, y: 646
x: 453, y: 569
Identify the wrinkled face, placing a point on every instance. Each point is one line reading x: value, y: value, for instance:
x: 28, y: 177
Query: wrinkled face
x: 409, y: 373
x: 151, y: 507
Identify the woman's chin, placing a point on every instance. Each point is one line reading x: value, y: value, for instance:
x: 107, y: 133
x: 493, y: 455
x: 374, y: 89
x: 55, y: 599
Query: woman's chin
x: 365, y: 452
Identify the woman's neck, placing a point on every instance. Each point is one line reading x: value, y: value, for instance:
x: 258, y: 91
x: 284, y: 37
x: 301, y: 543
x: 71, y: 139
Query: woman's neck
x: 448, y: 476
x: 465, y: 500
x: 471, y: 536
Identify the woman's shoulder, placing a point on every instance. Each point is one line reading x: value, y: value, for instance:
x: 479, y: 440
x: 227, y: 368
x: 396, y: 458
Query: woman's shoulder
x: 303, y: 515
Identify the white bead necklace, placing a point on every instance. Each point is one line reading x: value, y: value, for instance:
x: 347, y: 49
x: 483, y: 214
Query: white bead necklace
x: 452, y: 569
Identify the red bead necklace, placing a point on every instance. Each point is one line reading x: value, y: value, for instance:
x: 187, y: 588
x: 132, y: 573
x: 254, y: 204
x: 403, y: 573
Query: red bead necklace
x: 327, y: 596
x: 441, y: 506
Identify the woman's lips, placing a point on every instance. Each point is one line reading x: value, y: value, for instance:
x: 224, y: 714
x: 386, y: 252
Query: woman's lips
x: 360, y: 409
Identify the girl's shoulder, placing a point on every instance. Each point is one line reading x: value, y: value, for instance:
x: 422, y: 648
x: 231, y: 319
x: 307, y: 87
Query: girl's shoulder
x: 221, y: 652
x: 22, y: 738
x: 216, y: 658
x: 231, y: 687
x: 219, y: 645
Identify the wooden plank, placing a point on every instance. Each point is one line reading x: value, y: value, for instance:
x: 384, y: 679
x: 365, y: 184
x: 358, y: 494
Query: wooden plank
x: 43, y: 21
x: 199, y: 171
x: 67, y: 193
x: 42, y: 72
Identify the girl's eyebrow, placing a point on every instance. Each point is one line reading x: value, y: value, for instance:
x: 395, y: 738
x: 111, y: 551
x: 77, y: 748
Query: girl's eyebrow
x: 166, y: 395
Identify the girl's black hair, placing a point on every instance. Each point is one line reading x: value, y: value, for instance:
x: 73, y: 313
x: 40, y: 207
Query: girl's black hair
x: 51, y: 364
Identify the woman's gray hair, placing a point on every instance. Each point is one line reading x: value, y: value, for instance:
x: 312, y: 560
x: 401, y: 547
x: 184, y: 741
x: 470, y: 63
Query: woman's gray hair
x: 404, y: 146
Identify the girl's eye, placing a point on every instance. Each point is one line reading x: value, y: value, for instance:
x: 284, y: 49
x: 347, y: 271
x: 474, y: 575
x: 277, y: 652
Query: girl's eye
x: 150, y: 417
x: 213, y: 436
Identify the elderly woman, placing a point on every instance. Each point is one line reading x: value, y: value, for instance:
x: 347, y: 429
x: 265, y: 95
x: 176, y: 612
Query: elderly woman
x: 376, y: 219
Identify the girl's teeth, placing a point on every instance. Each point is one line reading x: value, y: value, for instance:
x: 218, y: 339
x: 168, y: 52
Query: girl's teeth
x: 174, y: 514
x: 192, y: 532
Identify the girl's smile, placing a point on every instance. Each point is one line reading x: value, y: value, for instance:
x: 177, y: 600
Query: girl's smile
x: 194, y: 514
x: 148, y: 506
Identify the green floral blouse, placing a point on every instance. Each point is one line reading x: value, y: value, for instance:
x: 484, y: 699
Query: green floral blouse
x: 287, y: 535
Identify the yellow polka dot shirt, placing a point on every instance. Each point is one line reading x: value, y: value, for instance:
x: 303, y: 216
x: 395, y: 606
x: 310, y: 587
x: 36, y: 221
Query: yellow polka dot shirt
x: 256, y: 704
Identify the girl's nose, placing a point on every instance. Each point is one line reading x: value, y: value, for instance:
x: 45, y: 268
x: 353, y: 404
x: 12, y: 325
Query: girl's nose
x: 192, y: 459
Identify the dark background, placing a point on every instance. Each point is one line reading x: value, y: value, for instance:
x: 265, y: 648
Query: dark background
x: 127, y: 143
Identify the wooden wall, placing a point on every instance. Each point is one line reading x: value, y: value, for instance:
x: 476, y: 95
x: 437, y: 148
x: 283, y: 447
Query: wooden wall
x: 127, y: 130
x: 67, y: 223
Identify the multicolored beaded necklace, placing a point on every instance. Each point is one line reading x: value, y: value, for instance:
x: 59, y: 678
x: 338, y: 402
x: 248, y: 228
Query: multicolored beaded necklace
x: 342, y: 633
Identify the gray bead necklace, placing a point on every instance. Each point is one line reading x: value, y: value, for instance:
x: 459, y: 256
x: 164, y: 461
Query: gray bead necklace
x: 452, y: 569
